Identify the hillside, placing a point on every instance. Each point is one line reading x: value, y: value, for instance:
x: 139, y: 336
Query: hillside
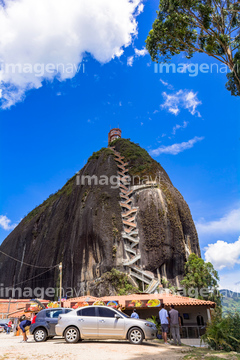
x: 230, y: 301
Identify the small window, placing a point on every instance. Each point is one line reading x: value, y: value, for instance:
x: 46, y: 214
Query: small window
x: 103, y: 312
x: 200, y: 320
x: 53, y: 314
x: 88, y: 311
x: 67, y: 311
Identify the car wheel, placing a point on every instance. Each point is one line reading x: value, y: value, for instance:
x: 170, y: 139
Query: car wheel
x: 40, y: 335
x: 72, y: 335
x: 135, y: 336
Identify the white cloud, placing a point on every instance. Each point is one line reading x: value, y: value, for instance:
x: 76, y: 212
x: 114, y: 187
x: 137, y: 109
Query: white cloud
x: 38, y: 33
x: 176, y: 148
x: 138, y: 53
x: 223, y: 254
x: 177, y: 127
x: 142, y: 52
x: 5, y: 223
x: 181, y: 99
x: 169, y: 86
x: 164, y: 82
x: 140, y: 9
x: 130, y: 61
x: 230, y: 280
x: 191, y: 102
x: 229, y: 223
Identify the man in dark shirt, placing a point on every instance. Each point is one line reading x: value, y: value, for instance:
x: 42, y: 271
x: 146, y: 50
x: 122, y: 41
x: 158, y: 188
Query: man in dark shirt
x: 23, y: 326
x: 175, y: 324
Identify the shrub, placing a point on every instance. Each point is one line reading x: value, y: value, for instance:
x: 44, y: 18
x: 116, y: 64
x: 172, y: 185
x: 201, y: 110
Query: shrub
x: 223, y: 332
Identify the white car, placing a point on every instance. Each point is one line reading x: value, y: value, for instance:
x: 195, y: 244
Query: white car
x: 102, y: 322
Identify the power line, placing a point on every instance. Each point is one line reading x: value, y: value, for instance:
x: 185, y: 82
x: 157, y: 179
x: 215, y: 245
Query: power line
x: 35, y: 276
x: 23, y: 263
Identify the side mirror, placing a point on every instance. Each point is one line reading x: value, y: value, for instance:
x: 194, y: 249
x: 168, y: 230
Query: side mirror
x: 117, y: 316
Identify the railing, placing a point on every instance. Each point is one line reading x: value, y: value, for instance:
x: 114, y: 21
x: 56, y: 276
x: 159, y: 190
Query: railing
x: 192, y: 331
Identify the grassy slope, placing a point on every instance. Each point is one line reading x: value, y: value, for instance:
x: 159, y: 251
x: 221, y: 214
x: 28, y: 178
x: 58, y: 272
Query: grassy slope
x: 230, y: 301
x: 206, y: 354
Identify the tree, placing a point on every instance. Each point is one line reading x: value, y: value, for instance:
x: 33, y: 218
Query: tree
x: 199, y: 26
x: 203, y: 278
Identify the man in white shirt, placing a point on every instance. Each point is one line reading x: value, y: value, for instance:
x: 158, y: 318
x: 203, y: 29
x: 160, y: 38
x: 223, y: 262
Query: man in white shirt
x: 164, y: 319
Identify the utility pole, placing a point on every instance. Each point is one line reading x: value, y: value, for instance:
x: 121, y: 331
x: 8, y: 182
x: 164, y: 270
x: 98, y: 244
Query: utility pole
x: 60, y: 293
x: 9, y: 303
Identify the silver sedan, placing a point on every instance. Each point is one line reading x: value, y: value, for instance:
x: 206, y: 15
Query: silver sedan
x: 102, y: 322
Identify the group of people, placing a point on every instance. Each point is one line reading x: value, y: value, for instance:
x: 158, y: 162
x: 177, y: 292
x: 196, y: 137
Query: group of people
x: 8, y: 327
x: 23, y: 325
x: 170, y: 320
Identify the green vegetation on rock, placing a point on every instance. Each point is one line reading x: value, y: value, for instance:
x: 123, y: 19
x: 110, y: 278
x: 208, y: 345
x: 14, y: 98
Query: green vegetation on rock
x: 97, y: 154
x: 139, y: 161
x: 119, y: 282
x: 66, y: 190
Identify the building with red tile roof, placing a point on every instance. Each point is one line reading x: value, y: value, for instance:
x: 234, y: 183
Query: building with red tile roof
x: 194, y: 313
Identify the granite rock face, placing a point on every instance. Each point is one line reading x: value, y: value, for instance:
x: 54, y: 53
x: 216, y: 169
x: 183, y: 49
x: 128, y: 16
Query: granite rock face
x: 81, y: 227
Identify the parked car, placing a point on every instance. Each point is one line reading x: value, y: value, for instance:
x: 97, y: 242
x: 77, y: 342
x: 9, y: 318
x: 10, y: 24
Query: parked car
x: 3, y: 325
x: 2, y: 328
x: 46, y: 320
x: 102, y: 322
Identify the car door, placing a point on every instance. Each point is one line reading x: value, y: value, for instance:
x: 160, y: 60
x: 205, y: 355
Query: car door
x: 108, y: 325
x: 52, y: 320
x: 87, y: 322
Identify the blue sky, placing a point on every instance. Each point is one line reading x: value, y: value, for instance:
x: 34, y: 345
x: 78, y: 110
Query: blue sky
x: 51, y: 124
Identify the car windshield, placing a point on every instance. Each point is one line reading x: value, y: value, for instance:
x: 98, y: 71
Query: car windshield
x: 122, y: 313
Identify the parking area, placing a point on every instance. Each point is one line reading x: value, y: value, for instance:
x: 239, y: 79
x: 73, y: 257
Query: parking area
x: 12, y: 348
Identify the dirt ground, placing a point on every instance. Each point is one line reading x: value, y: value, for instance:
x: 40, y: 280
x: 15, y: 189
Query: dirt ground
x: 12, y: 348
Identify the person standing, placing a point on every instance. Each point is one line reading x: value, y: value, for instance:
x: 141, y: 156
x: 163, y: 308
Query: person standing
x: 9, y: 327
x: 175, y: 324
x: 164, y: 319
x: 134, y: 314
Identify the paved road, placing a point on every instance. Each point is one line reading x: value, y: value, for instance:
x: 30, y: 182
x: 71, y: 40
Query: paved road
x: 57, y: 349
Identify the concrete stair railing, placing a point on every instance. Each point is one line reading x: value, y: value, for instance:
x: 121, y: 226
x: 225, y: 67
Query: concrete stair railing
x: 130, y: 228
x: 152, y: 286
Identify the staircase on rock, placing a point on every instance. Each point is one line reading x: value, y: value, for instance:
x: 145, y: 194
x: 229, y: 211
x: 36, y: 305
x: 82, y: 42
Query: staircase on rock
x: 130, y: 235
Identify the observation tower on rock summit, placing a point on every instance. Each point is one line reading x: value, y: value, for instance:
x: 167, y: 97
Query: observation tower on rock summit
x: 114, y: 134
